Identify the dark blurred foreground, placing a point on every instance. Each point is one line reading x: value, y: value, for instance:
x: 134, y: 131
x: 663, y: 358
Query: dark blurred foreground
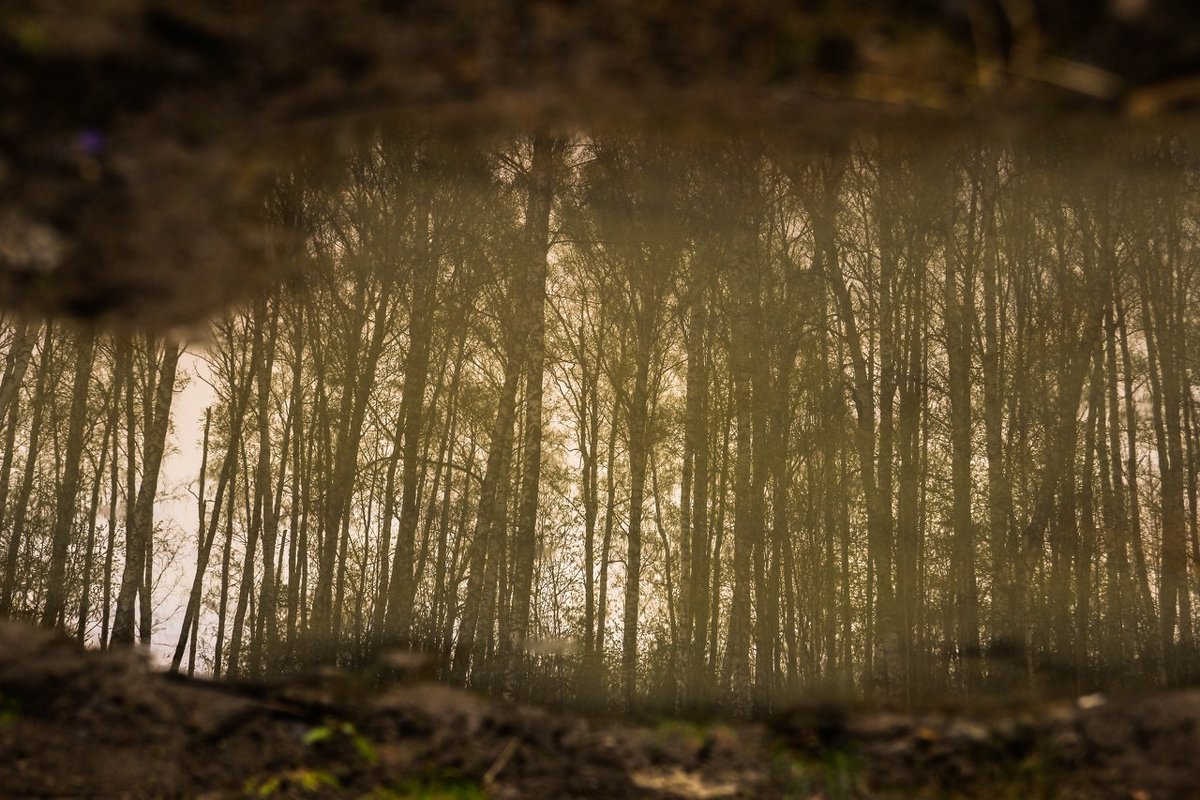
x: 137, y: 135
x: 100, y: 724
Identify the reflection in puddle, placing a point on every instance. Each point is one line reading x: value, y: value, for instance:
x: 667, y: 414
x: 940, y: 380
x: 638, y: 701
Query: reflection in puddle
x: 615, y: 420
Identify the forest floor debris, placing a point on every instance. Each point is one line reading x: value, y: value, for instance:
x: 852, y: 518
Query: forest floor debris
x: 76, y: 723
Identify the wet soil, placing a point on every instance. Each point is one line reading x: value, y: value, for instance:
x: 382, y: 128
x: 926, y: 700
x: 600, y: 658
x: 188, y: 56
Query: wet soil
x: 88, y: 724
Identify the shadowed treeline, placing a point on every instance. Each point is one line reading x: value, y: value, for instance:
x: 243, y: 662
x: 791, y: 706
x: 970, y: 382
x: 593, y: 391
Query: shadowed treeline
x: 611, y: 420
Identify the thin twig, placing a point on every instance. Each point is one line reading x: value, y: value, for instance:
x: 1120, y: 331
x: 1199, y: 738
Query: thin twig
x: 501, y: 762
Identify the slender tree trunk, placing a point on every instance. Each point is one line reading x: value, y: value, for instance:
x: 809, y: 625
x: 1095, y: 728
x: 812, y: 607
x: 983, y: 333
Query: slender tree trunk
x: 239, y: 400
x: 137, y: 539
x: 296, y: 552
x: 201, y: 552
x: 226, y: 557
x: 93, y: 514
x: 537, y: 242
x: 441, y: 604
x: 493, y: 495
x: 696, y: 435
x: 114, y: 493
x: 1146, y: 599
x: 16, y: 362
x: 20, y: 514
x: 412, y: 405
x: 600, y: 684
x: 68, y: 496
x: 965, y: 608
x: 267, y: 617
x: 638, y: 452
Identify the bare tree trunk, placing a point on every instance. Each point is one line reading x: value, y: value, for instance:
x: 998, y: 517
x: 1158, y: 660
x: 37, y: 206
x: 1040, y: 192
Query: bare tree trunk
x: 267, y: 619
x: 239, y: 400
x: 537, y: 242
x: 722, y: 483
x: 412, y: 405
x: 965, y: 611
x: 696, y: 437
x: 68, y: 496
x: 339, y: 466
x: 226, y: 556
x: 441, y: 604
x: 1165, y: 383
x: 297, y: 542
x: 908, y: 495
x: 93, y: 514
x: 119, y: 386
x: 638, y: 447
x: 1141, y: 572
x: 737, y: 657
x: 12, y: 423
x: 16, y: 362
x: 1005, y: 546
x: 138, y: 538
x: 493, y: 496
x: 202, y: 552
x: 599, y: 683
x: 21, y: 511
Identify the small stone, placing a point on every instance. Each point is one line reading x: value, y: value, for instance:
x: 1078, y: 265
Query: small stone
x: 967, y: 732
x: 880, y: 726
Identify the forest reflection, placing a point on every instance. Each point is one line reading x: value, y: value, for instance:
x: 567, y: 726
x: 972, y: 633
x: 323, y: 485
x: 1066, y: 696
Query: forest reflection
x: 618, y: 421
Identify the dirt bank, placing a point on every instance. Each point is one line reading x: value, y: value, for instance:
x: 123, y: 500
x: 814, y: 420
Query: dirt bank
x: 92, y: 724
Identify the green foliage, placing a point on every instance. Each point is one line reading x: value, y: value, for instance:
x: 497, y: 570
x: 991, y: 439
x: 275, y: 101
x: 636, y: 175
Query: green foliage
x: 10, y: 710
x: 841, y: 771
x: 840, y: 774
x: 790, y: 776
x: 30, y: 36
x: 693, y: 733
x: 299, y: 780
x: 836, y: 774
x: 444, y: 787
x: 334, y: 729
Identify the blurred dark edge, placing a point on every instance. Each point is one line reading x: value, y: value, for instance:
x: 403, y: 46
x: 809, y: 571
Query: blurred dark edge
x: 138, y: 137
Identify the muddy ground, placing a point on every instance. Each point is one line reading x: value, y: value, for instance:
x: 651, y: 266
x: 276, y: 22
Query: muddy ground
x: 89, y: 724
